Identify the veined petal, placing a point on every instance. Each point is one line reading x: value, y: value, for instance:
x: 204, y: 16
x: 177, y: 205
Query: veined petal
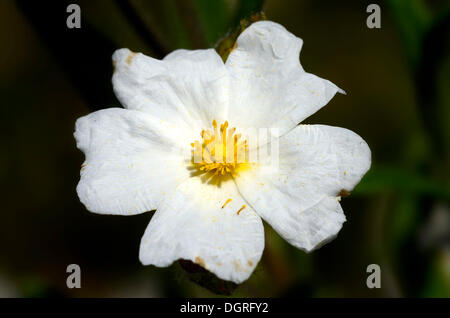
x: 208, y: 225
x: 132, y: 161
x: 269, y: 87
x: 353, y: 154
x: 299, y: 197
x: 186, y: 88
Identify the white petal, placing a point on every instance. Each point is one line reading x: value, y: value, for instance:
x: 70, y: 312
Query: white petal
x: 354, y: 156
x: 132, y: 161
x: 187, y: 88
x: 299, y: 198
x: 269, y: 87
x: 192, y: 225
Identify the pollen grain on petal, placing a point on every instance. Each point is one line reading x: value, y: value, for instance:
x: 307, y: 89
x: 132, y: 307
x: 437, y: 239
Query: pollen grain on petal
x: 237, y: 266
x: 129, y: 58
x: 200, y: 261
x: 344, y: 193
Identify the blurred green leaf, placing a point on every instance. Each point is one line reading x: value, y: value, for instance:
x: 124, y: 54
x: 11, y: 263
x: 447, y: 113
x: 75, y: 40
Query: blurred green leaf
x: 435, y: 51
x: 438, y: 278
x: 413, y: 20
x: 387, y: 179
x: 404, y: 221
x: 425, y: 37
x: 247, y: 8
x: 444, y: 105
x: 213, y: 16
x: 107, y: 18
x: 163, y: 20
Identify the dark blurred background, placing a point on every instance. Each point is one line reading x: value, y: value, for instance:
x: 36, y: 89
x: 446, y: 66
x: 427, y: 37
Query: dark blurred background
x: 397, y: 80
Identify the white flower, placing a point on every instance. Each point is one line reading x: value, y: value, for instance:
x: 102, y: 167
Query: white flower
x: 135, y: 157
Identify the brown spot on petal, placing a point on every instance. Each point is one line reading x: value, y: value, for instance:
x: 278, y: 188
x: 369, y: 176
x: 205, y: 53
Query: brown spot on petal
x: 129, y: 58
x: 344, y: 193
x: 250, y: 263
x: 237, y: 266
x: 234, y: 47
x: 200, y: 261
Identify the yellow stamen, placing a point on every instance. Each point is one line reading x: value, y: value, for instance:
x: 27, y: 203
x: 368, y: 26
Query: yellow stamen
x: 226, y: 202
x: 243, y: 207
x: 220, y: 152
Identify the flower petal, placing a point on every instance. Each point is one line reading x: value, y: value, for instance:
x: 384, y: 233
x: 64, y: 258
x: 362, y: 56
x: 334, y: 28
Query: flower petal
x: 199, y: 223
x: 299, y: 197
x: 186, y: 88
x: 269, y: 87
x: 353, y: 154
x: 132, y: 161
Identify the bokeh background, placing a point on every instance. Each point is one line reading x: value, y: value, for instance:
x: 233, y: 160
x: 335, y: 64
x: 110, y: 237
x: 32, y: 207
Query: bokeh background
x: 397, y: 80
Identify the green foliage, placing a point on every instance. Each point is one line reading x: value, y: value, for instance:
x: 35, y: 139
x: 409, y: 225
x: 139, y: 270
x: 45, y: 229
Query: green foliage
x: 213, y: 17
x: 379, y: 180
x: 413, y: 19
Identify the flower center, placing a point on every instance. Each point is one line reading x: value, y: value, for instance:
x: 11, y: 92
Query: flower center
x: 221, y: 152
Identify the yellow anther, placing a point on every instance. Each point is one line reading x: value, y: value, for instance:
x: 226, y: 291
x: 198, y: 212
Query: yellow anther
x: 243, y: 207
x: 220, y: 152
